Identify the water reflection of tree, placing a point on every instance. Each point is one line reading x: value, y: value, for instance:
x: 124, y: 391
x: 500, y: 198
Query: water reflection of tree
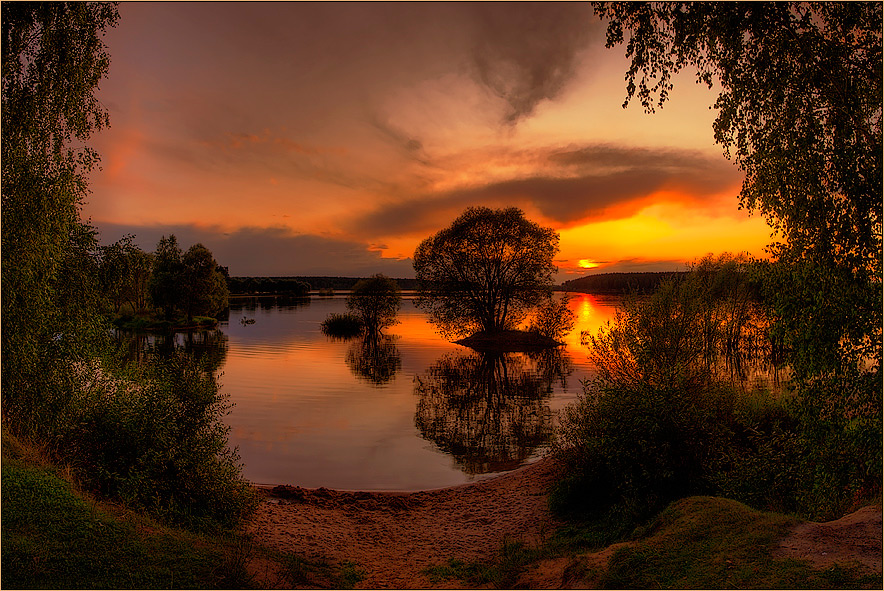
x: 374, y: 358
x: 266, y: 303
x: 208, y: 347
x: 489, y: 410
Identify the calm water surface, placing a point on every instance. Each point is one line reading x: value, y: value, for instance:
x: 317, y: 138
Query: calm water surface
x: 407, y: 412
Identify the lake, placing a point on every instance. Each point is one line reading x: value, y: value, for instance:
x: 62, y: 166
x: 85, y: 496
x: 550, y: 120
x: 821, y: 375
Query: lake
x: 410, y: 411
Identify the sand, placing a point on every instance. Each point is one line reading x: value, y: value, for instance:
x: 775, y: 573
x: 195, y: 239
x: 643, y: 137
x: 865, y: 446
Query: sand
x: 394, y: 536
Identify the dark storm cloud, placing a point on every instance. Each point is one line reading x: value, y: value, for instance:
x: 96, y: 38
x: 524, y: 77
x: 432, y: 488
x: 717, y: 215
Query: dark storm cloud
x: 269, y: 251
x: 527, y: 53
x: 590, y: 183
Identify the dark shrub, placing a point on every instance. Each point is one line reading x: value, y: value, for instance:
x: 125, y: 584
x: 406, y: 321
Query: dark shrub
x: 342, y: 325
x: 159, y: 442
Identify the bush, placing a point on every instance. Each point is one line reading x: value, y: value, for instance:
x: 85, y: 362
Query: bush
x: 654, y: 425
x: 157, y: 441
x: 554, y: 319
x: 342, y: 325
x: 632, y: 451
x: 661, y: 421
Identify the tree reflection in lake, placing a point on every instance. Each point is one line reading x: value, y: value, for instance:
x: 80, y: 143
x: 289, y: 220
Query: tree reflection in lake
x: 489, y: 411
x: 374, y: 358
x: 208, y: 347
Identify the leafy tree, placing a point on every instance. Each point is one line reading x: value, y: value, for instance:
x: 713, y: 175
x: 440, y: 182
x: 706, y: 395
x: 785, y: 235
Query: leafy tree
x: 554, y: 319
x: 52, y: 61
x: 485, y: 271
x: 191, y: 282
x: 125, y: 274
x: 203, y: 288
x: 165, y: 286
x: 800, y: 112
x: 376, y: 301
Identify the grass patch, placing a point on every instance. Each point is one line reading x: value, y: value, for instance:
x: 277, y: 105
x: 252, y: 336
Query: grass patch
x: 319, y: 574
x: 706, y: 542
x: 695, y: 543
x: 54, y: 538
x: 501, y: 573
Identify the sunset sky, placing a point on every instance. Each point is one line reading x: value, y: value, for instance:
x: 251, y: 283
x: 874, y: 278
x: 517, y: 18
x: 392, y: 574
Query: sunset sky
x: 330, y: 139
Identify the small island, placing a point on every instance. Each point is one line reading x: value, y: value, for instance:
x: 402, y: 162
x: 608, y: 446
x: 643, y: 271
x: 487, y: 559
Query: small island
x: 164, y: 291
x: 508, y: 341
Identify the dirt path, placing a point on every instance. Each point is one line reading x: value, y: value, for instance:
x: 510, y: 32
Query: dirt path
x: 394, y: 536
x: 853, y: 537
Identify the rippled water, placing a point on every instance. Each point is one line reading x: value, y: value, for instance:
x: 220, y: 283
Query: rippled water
x: 411, y: 411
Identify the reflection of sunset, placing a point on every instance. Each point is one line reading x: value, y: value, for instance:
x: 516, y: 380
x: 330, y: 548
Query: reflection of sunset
x: 592, y: 312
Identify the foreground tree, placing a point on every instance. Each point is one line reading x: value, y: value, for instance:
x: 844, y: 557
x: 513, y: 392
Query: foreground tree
x: 53, y: 60
x: 800, y: 112
x: 485, y: 271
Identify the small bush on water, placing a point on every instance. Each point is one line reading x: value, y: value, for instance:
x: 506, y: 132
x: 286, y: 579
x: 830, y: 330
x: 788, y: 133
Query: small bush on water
x: 342, y: 325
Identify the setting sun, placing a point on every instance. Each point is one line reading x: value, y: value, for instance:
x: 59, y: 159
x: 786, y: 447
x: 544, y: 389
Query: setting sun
x: 588, y: 264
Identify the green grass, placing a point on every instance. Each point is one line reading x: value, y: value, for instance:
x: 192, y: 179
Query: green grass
x: 705, y: 542
x: 696, y: 543
x: 55, y: 538
x: 314, y: 574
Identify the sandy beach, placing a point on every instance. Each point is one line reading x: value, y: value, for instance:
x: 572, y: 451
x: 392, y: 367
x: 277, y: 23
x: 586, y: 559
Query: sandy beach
x: 394, y: 536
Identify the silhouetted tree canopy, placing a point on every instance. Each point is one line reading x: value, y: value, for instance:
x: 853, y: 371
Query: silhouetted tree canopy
x: 191, y: 282
x: 800, y: 112
x: 376, y: 301
x: 485, y: 271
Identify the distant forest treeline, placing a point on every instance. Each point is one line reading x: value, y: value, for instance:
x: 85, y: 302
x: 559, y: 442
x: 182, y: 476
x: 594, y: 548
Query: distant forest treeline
x: 298, y: 285
x: 620, y: 283
x: 603, y: 283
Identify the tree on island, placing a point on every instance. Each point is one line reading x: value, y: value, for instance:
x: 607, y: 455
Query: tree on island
x: 125, y: 274
x: 486, y: 271
x: 164, y: 286
x: 203, y: 287
x: 190, y: 282
x: 376, y: 301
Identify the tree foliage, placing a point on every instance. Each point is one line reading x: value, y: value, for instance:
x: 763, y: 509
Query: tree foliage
x: 125, y: 274
x: 165, y: 289
x: 190, y: 282
x: 53, y: 60
x: 375, y: 301
x: 486, y: 271
x: 800, y: 112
